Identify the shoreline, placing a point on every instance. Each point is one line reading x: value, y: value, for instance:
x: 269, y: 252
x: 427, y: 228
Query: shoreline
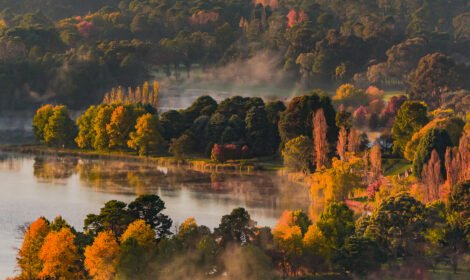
x: 198, y: 164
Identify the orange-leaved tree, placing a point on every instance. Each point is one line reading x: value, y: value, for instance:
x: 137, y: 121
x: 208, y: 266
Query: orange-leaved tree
x: 288, y: 236
x: 60, y: 256
x: 28, y: 256
x: 101, y: 258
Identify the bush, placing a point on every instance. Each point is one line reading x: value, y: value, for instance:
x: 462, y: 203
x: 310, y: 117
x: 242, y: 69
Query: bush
x: 222, y: 153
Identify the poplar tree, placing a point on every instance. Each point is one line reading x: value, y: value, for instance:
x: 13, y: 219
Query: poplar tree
x: 321, y: 144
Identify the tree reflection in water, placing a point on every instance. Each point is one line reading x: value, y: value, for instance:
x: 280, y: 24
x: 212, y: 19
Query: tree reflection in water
x: 54, y: 169
x: 257, y: 189
x: 9, y: 163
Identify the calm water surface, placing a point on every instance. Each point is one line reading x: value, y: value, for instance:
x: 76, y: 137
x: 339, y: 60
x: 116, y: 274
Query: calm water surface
x: 34, y: 186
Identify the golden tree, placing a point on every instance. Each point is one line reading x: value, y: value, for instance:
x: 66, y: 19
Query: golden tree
x: 59, y: 256
x: 338, y: 182
x: 101, y: 258
x: 28, y: 256
x: 288, y: 235
x: 119, y: 127
x: 141, y: 232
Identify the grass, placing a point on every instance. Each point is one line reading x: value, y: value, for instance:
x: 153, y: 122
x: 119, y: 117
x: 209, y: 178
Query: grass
x: 270, y: 163
x: 394, y: 166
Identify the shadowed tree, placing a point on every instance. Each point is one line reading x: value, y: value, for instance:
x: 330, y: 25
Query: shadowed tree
x: 149, y: 208
x: 237, y: 227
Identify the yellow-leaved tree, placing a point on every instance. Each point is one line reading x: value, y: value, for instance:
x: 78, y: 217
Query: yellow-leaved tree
x: 147, y: 138
x: 337, y: 182
x: 288, y: 236
x: 60, y: 256
x: 101, y: 258
x: 141, y: 232
x: 28, y: 256
x: 119, y: 126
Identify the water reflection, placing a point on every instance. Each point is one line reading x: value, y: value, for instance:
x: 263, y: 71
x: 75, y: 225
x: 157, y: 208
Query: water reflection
x: 9, y: 163
x: 54, y: 170
x: 259, y: 190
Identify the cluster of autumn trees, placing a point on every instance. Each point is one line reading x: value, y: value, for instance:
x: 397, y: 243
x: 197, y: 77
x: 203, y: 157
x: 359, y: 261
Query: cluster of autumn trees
x: 134, y: 241
x: 104, y: 127
x: 238, y: 127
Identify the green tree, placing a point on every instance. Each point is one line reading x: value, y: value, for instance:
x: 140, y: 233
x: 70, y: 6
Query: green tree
x: 360, y: 255
x: 398, y: 224
x: 237, y: 227
x: 173, y: 124
x: 132, y: 260
x: 113, y: 217
x: 60, y: 130
x: 410, y: 118
x: 103, y: 116
x: 435, y: 75
x: 149, y: 208
x: 147, y: 138
x: 40, y: 120
x: 183, y: 146
x: 457, y: 232
x: 274, y: 110
x: 257, y: 130
x: 298, y: 154
x: 297, y: 119
x: 435, y: 139
x: 214, y: 129
x: 86, y: 133
x: 337, y: 224
x: 203, y: 105
x: 235, y: 131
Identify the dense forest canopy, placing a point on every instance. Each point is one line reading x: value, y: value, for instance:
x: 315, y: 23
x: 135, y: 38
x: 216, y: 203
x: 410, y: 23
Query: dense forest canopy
x: 73, y: 52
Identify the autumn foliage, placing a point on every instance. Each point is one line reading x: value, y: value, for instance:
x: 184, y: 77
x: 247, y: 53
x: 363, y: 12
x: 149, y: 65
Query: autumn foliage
x: 321, y: 144
x: 295, y: 17
x: 101, y: 258
x: 59, y: 256
x: 28, y: 256
x: 141, y: 232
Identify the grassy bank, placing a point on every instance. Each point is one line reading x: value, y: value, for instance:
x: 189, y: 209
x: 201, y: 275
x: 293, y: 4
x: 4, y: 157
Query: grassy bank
x: 196, y: 163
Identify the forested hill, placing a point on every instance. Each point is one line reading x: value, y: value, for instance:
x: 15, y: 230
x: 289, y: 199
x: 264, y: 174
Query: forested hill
x: 72, y: 52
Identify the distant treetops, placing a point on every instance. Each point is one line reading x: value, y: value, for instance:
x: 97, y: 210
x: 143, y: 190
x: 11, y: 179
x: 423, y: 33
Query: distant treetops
x: 144, y: 95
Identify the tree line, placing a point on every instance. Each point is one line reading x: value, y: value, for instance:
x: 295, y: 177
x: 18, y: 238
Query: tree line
x: 240, y: 126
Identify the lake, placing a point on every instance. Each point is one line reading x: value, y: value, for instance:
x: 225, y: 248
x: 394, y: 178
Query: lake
x: 34, y: 186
